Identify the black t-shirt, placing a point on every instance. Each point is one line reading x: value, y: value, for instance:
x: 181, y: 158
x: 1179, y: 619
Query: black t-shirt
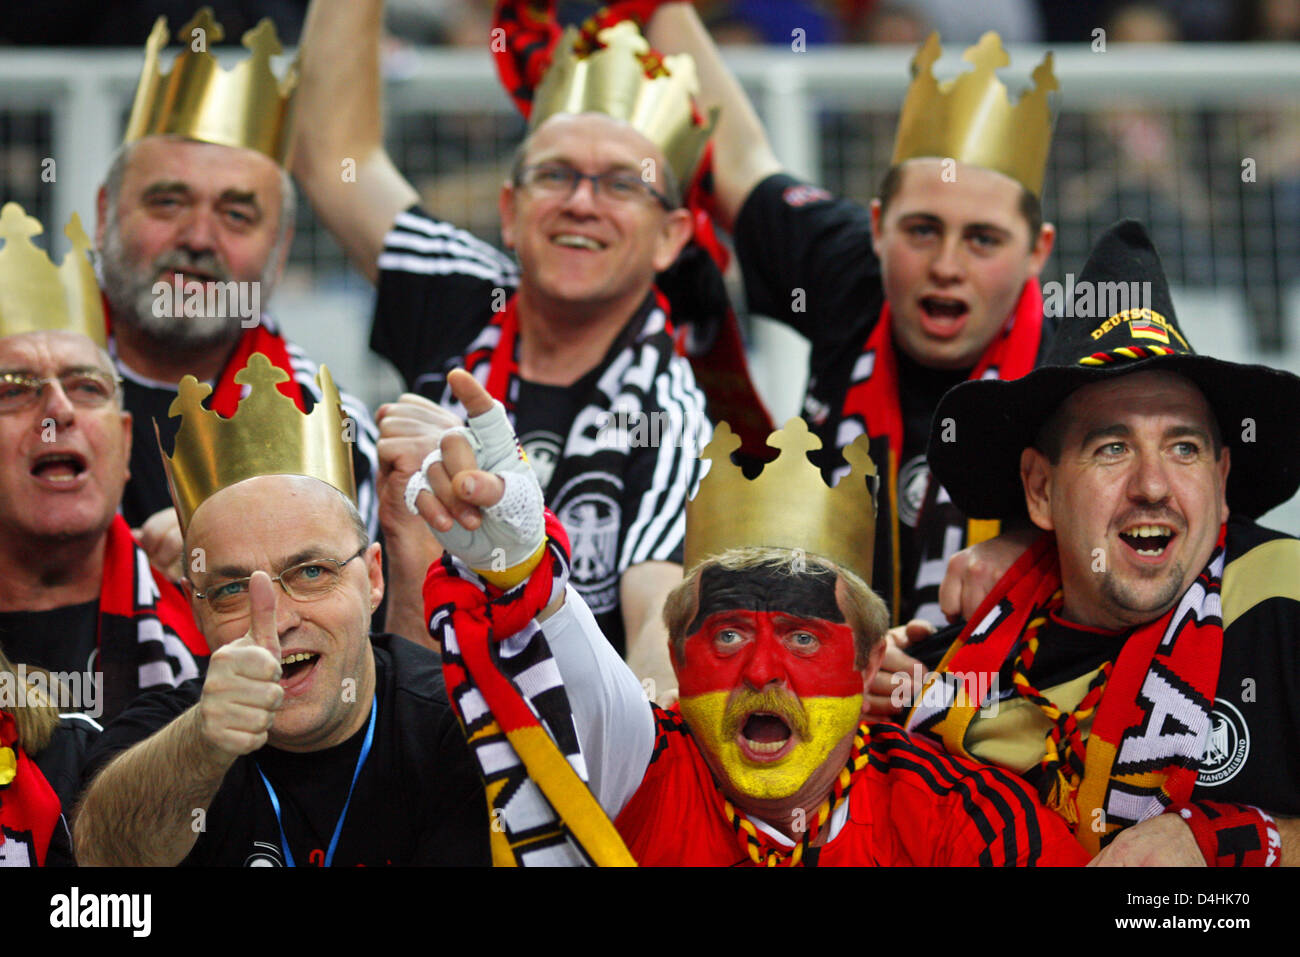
x: 61, y: 761
x: 807, y: 262
x: 620, y: 495
x: 60, y: 640
x: 418, y: 799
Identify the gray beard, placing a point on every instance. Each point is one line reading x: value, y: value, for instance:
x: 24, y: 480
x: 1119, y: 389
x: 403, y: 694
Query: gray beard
x: 131, y: 294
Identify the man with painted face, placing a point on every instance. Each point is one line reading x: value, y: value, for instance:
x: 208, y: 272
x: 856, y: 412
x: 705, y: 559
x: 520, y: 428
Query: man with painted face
x: 1145, y: 644
x: 774, y: 635
x: 935, y: 282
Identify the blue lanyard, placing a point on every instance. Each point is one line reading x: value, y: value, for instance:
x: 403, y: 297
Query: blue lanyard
x: 338, y: 828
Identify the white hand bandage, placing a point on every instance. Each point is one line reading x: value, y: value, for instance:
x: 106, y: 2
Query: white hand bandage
x: 513, y: 530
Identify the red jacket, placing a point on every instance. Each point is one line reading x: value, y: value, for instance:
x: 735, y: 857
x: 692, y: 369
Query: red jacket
x: 913, y: 804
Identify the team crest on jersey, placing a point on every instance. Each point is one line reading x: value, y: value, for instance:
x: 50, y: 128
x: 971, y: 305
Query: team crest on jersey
x: 593, y: 520
x: 1228, y: 746
x: 264, y: 855
x: 803, y: 194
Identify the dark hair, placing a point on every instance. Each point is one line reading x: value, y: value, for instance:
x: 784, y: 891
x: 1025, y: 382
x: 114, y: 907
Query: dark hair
x: 1050, y: 435
x: 1030, y: 207
x: 863, y: 609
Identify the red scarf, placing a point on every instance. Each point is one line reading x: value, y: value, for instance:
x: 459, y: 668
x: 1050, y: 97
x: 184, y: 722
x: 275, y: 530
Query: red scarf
x: 523, y: 740
x: 147, y: 633
x: 1164, y: 678
x: 1010, y: 355
x: 874, y: 401
x: 28, y: 805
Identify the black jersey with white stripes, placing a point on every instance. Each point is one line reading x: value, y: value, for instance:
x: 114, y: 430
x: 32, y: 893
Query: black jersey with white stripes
x: 621, y: 443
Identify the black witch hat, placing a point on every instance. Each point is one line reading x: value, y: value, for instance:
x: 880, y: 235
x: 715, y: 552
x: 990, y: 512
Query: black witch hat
x: 980, y: 428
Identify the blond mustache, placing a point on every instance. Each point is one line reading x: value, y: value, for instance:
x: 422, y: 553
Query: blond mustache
x: 784, y: 705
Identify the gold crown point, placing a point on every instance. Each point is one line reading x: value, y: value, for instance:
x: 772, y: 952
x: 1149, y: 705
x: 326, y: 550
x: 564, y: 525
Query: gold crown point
x: 794, y: 437
x: 789, y: 505
x: 38, y: 296
x: 15, y: 224
x: 190, y: 396
x: 721, y: 445
x: 245, y: 107
x: 266, y: 435
x: 204, y: 20
x: 77, y: 235
x: 987, y: 54
x: 970, y: 117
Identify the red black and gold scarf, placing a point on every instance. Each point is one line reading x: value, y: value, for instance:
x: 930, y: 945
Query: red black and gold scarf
x: 29, y: 808
x: 507, y: 691
x: 1153, y: 722
x: 872, y: 401
x: 147, y: 634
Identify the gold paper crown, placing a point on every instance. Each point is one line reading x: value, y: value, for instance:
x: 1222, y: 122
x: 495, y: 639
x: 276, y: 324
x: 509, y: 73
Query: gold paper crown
x: 970, y: 118
x: 246, y: 107
x: 267, y: 435
x: 36, y: 295
x: 621, y: 77
x: 787, y: 506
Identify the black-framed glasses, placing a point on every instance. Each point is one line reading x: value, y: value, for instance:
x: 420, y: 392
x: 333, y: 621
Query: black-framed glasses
x: 307, y: 581
x: 560, y: 180
x: 87, y: 388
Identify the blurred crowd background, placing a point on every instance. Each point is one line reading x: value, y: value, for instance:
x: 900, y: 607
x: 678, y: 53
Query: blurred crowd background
x: 1182, y: 113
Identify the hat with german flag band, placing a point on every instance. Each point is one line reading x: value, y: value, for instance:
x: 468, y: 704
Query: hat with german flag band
x: 980, y: 428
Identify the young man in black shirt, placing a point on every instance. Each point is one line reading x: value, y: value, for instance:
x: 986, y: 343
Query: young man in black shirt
x: 934, y: 283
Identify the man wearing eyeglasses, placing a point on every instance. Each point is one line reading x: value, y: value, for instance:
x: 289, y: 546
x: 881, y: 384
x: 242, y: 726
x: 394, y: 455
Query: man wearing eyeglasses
x: 309, y: 741
x: 592, y: 211
x: 77, y: 595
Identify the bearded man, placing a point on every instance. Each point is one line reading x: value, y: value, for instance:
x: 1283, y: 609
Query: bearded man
x: 774, y: 634
x: 194, y: 224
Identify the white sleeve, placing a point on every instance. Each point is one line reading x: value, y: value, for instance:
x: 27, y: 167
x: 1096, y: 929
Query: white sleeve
x: 615, y: 725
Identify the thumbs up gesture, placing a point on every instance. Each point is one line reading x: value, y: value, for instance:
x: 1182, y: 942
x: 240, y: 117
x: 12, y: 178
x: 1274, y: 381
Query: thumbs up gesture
x: 483, y: 503
x: 242, y: 692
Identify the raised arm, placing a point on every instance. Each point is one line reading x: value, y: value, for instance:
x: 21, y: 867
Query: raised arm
x: 742, y: 155
x: 613, y: 720
x: 339, y: 157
